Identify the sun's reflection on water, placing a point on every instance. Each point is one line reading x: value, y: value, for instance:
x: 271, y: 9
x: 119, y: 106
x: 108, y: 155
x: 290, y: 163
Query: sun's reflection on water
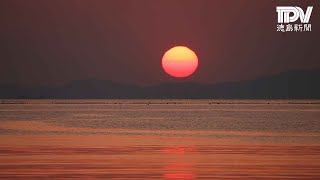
x: 179, y: 176
x: 181, y: 167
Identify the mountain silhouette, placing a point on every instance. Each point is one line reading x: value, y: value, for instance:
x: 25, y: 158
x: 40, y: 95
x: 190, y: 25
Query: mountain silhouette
x: 289, y: 85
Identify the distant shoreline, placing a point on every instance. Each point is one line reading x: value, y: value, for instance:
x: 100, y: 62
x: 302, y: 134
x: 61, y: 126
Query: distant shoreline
x: 159, y: 101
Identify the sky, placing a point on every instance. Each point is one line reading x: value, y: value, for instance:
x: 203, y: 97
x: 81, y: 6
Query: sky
x: 54, y: 42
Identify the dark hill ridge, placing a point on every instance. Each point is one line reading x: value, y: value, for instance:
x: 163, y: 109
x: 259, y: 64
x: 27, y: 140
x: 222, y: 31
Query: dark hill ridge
x: 289, y: 85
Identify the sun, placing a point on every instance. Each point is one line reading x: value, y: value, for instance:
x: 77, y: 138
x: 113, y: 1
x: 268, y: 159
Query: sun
x: 180, y: 62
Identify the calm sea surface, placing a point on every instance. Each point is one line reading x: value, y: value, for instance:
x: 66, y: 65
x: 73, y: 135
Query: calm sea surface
x: 160, y: 139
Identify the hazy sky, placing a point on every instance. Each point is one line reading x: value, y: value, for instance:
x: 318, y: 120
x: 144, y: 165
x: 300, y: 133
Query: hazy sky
x: 52, y: 42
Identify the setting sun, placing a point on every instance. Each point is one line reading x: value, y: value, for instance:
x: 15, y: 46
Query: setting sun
x: 180, y: 62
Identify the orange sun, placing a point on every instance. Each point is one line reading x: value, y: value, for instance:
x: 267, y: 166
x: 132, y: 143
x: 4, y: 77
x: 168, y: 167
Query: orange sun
x: 180, y: 62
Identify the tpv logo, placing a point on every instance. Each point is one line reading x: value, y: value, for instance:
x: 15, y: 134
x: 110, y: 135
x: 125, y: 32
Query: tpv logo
x: 288, y: 14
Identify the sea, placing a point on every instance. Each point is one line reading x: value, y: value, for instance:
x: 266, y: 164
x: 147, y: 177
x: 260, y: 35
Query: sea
x: 159, y: 139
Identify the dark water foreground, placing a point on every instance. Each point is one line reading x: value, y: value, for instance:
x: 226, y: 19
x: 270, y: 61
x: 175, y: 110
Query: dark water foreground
x: 160, y: 139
